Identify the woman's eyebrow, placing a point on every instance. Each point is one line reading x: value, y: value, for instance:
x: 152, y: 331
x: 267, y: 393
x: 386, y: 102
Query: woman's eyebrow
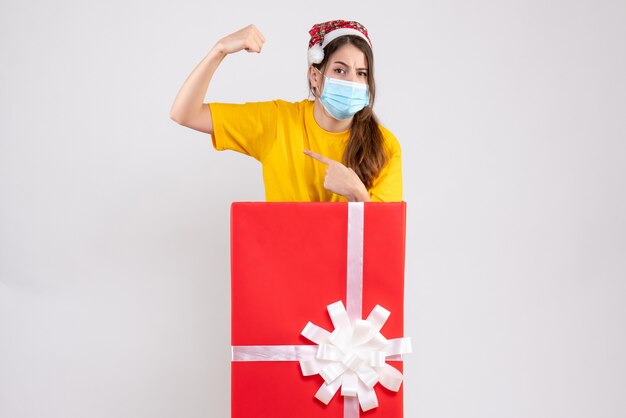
x: 346, y: 65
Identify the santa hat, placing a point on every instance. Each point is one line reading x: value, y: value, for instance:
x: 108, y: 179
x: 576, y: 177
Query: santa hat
x: 323, y: 33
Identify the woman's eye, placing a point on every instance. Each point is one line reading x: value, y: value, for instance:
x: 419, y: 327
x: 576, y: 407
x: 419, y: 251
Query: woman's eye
x: 339, y: 71
x: 363, y: 74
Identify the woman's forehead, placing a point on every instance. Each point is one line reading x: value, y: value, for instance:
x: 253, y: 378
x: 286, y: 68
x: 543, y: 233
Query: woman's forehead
x: 350, y: 55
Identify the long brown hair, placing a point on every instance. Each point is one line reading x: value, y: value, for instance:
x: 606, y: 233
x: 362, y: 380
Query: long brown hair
x: 365, y: 153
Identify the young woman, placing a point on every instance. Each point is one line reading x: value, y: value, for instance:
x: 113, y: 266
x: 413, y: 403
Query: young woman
x: 331, y: 148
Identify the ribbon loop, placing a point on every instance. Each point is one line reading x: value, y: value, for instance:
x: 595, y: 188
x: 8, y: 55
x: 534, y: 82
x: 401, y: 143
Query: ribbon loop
x: 339, y: 338
x: 349, y: 384
x: 377, y: 358
x: 391, y: 378
x: 331, y: 372
x: 368, y: 376
x: 378, y: 317
x: 367, y: 398
x: 312, y: 367
x: 339, y: 316
x: 316, y: 334
x: 362, y: 332
x: 326, y: 392
x: 398, y: 346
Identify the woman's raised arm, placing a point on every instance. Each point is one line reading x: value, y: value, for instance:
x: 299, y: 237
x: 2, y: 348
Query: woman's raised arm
x: 188, y: 108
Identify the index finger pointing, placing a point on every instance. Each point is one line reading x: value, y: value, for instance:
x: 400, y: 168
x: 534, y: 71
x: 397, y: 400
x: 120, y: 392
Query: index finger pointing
x: 318, y: 157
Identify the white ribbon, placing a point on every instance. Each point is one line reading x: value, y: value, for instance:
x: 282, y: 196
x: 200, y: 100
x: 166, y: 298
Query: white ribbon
x: 352, y: 357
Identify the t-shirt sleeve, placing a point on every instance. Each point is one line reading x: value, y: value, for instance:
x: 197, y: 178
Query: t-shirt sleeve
x: 248, y: 128
x: 387, y: 186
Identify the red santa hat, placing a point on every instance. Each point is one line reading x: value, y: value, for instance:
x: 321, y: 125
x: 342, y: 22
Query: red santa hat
x: 323, y: 33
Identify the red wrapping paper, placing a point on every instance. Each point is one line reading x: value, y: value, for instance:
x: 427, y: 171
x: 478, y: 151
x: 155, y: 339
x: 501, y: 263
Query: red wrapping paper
x: 288, y: 262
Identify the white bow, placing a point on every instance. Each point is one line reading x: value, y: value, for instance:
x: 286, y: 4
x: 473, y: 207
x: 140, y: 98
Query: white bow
x: 353, y: 356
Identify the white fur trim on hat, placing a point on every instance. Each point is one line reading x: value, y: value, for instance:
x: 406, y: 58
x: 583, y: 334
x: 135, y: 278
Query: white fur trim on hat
x: 315, y: 55
x: 331, y: 36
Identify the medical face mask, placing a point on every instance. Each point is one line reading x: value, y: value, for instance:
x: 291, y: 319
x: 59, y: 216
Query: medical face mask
x: 342, y: 99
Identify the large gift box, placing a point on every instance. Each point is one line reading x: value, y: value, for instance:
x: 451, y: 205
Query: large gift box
x: 317, y: 309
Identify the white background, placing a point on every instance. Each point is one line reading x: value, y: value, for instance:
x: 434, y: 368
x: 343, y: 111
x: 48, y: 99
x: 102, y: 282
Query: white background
x: 114, y: 220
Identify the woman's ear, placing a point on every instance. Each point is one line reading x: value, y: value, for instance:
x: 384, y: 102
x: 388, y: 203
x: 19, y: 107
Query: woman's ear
x: 312, y: 75
x: 315, y: 80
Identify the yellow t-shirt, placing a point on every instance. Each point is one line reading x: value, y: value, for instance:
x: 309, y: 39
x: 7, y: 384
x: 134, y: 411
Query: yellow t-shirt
x: 276, y: 133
